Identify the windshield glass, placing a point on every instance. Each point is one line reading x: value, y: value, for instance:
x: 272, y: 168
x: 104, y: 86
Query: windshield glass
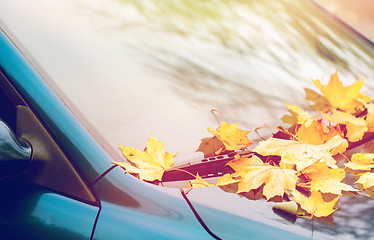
x: 136, y: 68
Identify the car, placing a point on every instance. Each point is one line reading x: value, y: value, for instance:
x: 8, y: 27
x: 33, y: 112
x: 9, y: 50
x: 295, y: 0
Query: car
x: 79, y: 78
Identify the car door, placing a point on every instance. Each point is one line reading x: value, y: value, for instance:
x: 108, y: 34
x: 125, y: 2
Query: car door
x: 50, y: 199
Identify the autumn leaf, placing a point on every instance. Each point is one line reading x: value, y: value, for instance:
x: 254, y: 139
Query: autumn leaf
x: 289, y: 210
x: 257, y: 194
x: 366, y: 183
x: 361, y: 162
x: 149, y: 164
x: 356, y: 127
x: 229, y: 182
x: 231, y: 136
x: 228, y: 179
x: 314, y: 132
x: 316, y: 204
x: 254, y: 173
x: 346, y: 98
x: 325, y: 180
x: 198, y: 182
x: 370, y: 117
x: 300, y: 154
x: 211, y: 146
x: 240, y: 163
x: 321, y: 104
x: 298, y: 116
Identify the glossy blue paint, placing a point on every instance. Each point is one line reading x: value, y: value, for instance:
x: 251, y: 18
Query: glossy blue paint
x: 85, y: 151
x: 116, y: 221
x: 139, y: 210
x: 27, y: 211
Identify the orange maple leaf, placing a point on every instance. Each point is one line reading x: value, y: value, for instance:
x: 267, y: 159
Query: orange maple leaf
x: 325, y: 180
x: 149, y: 164
x: 231, y: 136
x: 346, y: 98
x: 317, y: 204
x: 211, y: 146
x: 314, y: 132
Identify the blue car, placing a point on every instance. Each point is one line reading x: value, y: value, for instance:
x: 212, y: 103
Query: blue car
x: 79, y: 78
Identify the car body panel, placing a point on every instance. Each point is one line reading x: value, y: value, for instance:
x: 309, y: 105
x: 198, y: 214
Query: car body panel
x: 139, y: 210
x: 29, y: 211
x: 126, y: 210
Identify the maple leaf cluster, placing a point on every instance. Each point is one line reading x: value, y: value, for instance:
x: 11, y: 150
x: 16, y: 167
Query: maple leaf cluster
x: 297, y: 166
x: 306, y: 171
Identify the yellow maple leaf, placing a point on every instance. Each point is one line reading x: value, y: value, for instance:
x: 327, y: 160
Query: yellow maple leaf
x: 255, y: 173
x: 361, y: 162
x: 346, y: 98
x: 211, y: 146
x: 241, y: 163
x: 321, y: 104
x: 231, y: 136
x: 198, y: 182
x: 149, y: 164
x: 228, y: 179
x: 316, y: 203
x: 300, y: 154
x: 325, y: 180
x: 366, y: 183
x: 356, y: 127
x: 370, y: 117
x: 297, y: 115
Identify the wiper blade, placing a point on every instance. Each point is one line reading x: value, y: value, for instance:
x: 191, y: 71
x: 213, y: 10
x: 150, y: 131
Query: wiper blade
x: 207, y: 168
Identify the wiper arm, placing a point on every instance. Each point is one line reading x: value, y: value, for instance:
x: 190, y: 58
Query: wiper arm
x: 216, y: 166
x: 207, y: 168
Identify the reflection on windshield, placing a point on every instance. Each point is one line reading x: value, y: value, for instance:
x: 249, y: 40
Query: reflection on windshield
x: 224, y: 54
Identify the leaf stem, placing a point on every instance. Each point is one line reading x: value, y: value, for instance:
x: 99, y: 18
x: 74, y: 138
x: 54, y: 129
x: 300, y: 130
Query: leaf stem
x: 278, y: 128
x: 220, y: 113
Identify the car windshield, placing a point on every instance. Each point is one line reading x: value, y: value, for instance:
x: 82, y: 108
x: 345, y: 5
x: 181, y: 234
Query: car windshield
x: 173, y: 68
x: 136, y: 68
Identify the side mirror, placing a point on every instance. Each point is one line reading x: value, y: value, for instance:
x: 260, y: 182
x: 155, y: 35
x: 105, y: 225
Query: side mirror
x: 15, y: 154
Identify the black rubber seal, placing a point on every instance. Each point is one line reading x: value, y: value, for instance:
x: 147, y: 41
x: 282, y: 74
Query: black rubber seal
x: 198, y: 216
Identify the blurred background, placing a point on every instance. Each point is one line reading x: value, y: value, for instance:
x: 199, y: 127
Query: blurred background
x: 358, y: 14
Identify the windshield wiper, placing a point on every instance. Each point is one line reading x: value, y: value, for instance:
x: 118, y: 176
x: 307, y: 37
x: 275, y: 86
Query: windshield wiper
x: 206, y: 167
